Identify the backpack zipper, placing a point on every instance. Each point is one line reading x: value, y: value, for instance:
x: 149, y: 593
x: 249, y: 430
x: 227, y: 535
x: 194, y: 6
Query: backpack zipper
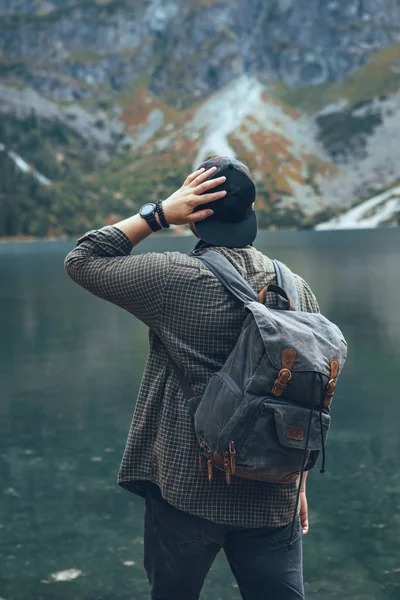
x: 232, y: 456
x: 210, y: 464
x: 227, y: 467
x: 201, y: 457
x: 205, y: 451
x: 232, y: 385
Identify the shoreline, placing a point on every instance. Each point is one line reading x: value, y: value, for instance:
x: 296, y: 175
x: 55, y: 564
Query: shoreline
x: 31, y: 238
x: 65, y: 238
x: 183, y: 233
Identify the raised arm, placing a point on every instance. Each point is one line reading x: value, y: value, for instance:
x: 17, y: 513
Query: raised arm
x: 102, y: 262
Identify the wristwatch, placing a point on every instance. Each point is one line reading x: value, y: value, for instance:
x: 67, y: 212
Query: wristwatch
x: 148, y: 212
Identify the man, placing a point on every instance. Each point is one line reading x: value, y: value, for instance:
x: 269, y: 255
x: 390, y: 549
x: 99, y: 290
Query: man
x: 194, y: 320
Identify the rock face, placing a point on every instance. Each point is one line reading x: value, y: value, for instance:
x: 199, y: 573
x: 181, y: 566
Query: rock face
x: 104, y: 135
x: 67, y: 49
x: 363, y: 141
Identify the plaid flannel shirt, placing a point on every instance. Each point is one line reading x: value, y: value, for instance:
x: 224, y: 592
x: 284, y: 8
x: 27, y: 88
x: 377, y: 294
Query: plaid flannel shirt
x: 199, y: 321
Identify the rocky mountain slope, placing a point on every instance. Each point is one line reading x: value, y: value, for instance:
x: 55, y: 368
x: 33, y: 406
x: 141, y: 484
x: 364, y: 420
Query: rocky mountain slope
x: 123, y: 97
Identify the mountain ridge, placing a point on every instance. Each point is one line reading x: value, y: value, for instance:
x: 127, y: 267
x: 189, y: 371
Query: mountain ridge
x: 302, y: 42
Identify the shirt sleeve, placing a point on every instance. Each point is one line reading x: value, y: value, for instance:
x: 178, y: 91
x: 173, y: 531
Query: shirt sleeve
x: 308, y: 301
x: 102, y: 264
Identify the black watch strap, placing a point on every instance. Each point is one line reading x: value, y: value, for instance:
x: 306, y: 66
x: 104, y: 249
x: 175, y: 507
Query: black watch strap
x: 152, y: 221
x: 161, y: 214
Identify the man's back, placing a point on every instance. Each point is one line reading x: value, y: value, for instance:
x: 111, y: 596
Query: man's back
x: 198, y: 321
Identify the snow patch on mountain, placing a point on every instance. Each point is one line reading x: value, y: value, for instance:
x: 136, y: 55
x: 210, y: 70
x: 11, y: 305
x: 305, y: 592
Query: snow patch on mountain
x: 379, y: 210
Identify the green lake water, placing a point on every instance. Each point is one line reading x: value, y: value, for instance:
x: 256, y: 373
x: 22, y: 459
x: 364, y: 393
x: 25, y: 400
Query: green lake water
x: 70, y: 367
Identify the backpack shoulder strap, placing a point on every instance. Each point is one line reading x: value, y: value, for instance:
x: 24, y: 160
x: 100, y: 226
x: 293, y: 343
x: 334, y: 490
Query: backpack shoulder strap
x: 238, y: 286
x: 286, y: 281
x: 234, y: 282
x: 228, y: 275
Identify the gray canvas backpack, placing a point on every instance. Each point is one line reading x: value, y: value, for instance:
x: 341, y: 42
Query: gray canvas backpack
x: 265, y: 415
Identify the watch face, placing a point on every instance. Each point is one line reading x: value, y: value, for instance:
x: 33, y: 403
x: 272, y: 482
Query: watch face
x: 147, y: 209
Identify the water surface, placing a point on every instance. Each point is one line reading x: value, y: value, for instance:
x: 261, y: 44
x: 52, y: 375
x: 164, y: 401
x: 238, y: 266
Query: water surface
x: 70, y: 368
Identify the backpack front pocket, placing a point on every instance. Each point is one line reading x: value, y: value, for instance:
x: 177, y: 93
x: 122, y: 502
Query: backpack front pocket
x: 277, y: 439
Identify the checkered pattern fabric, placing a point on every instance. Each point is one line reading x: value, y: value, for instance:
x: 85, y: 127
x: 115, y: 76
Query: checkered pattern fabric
x: 180, y: 300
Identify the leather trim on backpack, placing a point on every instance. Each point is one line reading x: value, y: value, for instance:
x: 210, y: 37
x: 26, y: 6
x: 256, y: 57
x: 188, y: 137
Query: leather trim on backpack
x: 295, y: 433
x: 331, y: 385
x: 288, y: 358
x: 285, y: 374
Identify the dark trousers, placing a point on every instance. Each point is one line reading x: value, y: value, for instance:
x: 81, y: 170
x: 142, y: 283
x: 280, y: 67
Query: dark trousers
x: 180, y: 548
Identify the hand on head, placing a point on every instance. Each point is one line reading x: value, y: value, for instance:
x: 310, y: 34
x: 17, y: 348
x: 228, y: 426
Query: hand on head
x: 180, y: 207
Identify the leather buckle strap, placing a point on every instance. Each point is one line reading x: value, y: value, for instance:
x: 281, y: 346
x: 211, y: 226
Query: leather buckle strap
x: 331, y: 385
x: 285, y: 374
x: 281, y: 381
